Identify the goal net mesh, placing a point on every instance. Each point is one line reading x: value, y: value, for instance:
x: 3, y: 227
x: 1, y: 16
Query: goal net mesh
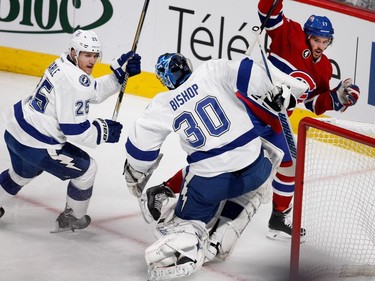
x: 338, y: 208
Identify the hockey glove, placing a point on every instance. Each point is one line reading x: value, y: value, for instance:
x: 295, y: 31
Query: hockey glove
x: 108, y: 130
x: 344, y: 95
x: 279, y: 97
x: 133, y: 66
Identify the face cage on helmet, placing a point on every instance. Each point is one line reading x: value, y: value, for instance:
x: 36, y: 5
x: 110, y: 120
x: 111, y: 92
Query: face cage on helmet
x: 169, y: 77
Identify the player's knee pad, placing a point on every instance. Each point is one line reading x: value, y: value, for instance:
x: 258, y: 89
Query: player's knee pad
x: 86, y: 181
x: 179, y: 251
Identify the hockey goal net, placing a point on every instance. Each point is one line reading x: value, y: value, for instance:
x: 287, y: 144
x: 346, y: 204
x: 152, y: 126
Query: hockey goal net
x: 334, y: 201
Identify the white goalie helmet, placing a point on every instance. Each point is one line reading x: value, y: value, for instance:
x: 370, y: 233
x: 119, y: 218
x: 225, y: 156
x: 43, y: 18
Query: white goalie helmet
x: 86, y: 41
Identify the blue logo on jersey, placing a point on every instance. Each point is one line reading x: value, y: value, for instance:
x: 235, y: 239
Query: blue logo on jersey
x: 84, y: 80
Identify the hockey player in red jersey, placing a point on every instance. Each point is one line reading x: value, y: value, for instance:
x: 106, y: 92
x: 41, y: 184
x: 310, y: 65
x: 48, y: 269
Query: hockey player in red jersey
x: 303, y: 58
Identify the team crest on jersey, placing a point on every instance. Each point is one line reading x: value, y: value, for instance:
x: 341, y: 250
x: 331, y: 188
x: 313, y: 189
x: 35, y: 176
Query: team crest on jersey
x: 306, y: 53
x: 307, y: 79
x: 84, y: 80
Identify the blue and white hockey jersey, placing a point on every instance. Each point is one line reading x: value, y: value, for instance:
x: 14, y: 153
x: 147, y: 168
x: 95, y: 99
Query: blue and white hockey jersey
x: 58, y: 109
x: 213, y: 125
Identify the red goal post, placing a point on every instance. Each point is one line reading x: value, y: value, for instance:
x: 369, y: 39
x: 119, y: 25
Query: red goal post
x: 334, y: 201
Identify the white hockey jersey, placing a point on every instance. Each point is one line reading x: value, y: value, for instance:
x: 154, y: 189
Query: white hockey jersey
x: 58, y: 109
x: 213, y: 125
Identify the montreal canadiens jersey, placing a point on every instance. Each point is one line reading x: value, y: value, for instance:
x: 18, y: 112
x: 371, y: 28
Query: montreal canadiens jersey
x: 213, y: 125
x: 290, y: 53
x: 58, y: 109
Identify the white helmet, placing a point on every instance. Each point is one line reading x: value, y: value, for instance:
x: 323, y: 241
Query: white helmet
x: 87, y: 41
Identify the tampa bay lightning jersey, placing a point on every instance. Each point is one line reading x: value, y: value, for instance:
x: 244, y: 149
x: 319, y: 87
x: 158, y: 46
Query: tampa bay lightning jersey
x: 58, y: 109
x: 213, y: 125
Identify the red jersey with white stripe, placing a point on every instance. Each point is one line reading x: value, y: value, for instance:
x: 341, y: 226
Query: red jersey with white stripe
x: 290, y: 53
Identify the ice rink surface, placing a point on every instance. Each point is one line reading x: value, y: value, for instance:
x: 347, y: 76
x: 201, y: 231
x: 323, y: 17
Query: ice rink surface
x: 112, y: 247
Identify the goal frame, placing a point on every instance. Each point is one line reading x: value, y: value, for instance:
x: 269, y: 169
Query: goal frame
x: 303, y: 127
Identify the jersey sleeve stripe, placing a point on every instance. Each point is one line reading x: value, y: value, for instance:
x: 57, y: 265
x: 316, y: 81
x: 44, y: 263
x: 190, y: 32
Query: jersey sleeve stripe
x: 273, y: 22
x: 75, y: 129
x: 244, y: 73
x: 139, y: 154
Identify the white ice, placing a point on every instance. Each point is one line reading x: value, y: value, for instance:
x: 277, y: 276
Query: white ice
x: 112, y: 247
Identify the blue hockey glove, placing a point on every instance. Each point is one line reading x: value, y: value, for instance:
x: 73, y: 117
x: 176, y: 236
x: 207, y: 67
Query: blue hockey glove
x: 344, y: 95
x: 133, y: 65
x: 108, y: 130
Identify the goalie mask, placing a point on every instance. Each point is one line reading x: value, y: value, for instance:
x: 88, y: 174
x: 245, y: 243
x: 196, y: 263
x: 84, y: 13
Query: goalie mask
x: 173, y: 69
x: 85, y: 41
x: 319, y: 26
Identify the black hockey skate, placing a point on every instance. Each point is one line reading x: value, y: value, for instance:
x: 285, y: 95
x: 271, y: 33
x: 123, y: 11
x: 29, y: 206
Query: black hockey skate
x: 156, y: 196
x: 280, y: 225
x: 67, y: 222
x: 2, y: 212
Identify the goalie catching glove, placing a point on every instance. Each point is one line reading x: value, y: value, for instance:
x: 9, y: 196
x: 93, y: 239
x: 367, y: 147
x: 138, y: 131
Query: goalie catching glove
x: 136, y: 180
x: 344, y: 95
x: 280, y: 97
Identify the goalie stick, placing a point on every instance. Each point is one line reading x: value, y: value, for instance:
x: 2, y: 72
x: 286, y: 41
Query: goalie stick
x: 134, y: 48
x: 137, y: 181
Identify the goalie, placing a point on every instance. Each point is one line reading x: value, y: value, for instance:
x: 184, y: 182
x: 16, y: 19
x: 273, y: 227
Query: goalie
x: 209, y: 110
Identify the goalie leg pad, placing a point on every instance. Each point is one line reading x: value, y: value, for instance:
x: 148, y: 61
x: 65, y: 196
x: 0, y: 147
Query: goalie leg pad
x: 179, y: 252
x: 274, y: 153
x: 224, y: 238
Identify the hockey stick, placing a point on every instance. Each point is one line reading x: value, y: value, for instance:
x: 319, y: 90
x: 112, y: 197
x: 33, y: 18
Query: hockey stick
x: 134, y: 48
x: 283, y: 116
x: 260, y: 29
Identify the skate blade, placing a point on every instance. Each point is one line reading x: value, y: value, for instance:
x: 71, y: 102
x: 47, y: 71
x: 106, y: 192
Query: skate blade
x: 281, y: 236
x: 278, y: 235
x: 59, y: 229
